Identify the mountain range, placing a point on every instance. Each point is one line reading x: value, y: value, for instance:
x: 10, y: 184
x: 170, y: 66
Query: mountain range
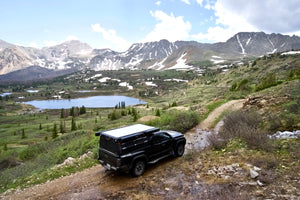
x: 161, y: 55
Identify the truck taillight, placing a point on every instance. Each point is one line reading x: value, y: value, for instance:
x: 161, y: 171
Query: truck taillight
x: 118, y: 163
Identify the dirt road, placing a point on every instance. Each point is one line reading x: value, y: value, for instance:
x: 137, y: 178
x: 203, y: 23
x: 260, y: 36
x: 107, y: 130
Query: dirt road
x: 229, y: 106
x: 197, y: 136
x: 95, y: 183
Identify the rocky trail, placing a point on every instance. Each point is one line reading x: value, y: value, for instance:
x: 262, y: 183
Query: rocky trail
x: 197, y: 137
x: 161, y: 181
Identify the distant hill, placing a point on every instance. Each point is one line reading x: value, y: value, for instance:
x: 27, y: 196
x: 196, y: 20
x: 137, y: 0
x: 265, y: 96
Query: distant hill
x: 32, y: 73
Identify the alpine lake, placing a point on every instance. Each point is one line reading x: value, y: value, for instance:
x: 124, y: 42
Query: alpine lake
x: 89, y: 102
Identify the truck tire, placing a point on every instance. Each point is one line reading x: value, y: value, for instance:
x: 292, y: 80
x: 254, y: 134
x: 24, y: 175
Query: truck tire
x: 138, y: 168
x: 179, y: 151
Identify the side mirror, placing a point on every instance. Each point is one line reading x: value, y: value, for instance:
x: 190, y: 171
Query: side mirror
x: 97, y: 133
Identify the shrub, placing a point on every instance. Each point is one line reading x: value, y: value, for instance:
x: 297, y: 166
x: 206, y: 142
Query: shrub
x: 243, y: 85
x: 157, y: 112
x: 184, y: 121
x: 177, y: 121
x: 245, y: 126
x: 267, y: 81
x: 216, y: 142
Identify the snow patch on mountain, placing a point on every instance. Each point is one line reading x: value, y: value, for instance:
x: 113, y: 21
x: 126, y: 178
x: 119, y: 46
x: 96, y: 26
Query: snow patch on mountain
x: 158, y: 64
x: 125, y: 84
x: 291, y: 53
x: 238, y: 39
x: 180, y: 63
x: 248, y: 41
x: 150, y: 83
x: 176, y: 80
x: 104, y: 79
x: 217, y: 61
x: 274, y: 49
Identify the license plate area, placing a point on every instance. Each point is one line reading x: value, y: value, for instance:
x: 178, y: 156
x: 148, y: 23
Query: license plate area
x: 107, y: 166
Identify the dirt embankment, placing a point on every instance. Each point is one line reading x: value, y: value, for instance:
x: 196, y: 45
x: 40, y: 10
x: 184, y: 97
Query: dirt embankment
x: 158, y: 181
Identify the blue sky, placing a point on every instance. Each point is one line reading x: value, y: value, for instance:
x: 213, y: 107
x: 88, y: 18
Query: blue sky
x: 116, y: 24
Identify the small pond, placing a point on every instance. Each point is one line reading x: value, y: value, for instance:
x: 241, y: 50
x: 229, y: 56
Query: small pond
x: 89, y: 102
x: 32, y: 91
x: 5, y: 94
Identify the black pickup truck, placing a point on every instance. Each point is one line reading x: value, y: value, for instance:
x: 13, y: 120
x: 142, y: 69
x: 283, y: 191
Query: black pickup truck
x: 132, y: 147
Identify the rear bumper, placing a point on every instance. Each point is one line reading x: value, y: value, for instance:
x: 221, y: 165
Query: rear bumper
x: 111, y: 167
x: 108, y: 166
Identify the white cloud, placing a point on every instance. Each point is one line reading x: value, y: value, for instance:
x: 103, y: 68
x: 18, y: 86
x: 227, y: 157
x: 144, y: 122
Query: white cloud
x: 228, y: 23
x: 186, y: 1
x: 50, y: 43
x: 33, y: 44
x: 269, y: 16
x: 169, y: 27
x: 71, y: 37
x: 200, y: 2
x: 158, y: 3
x: 233, y: 16
x: 294, y: 33
x: 208, y: 4
x: 111, y: 36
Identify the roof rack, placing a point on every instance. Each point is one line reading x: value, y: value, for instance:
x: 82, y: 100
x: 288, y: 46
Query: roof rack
x: 127, y: 131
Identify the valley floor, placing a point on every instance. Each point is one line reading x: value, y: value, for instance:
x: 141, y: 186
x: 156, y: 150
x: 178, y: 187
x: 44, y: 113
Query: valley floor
x: 197, y: 175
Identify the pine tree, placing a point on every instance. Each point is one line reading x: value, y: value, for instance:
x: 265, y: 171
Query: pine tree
x: 134, y: 114
x: 157, y: 112
x: 62, y: 113
x: 41, y: 126
x: 72, y: 112
x: 123, y: 104
x: 5, y: 147
x: 23, y: 134
x: 73, y: 125
x: 62, y: 127
x: 82, y: 110
x: 54, y: 131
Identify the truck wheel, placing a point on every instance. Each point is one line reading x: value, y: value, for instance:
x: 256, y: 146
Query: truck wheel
x: 138, y: 168
x: 179, y: 151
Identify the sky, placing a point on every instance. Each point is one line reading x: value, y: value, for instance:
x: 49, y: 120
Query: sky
x: 117, y: 24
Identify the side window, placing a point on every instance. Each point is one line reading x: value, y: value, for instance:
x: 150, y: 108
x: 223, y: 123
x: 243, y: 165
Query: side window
x: 161, y: 137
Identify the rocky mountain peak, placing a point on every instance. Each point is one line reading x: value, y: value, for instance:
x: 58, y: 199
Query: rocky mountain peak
x: 157, y: 55
x: 69, y: 48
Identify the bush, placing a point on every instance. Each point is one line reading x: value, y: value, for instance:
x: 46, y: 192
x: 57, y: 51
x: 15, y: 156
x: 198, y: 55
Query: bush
x: 114, y: 115
x: 245, y: 126
x: 177, y: 121
x: 216, y: 142
x: 267, y: 81
x: 184, y: 121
